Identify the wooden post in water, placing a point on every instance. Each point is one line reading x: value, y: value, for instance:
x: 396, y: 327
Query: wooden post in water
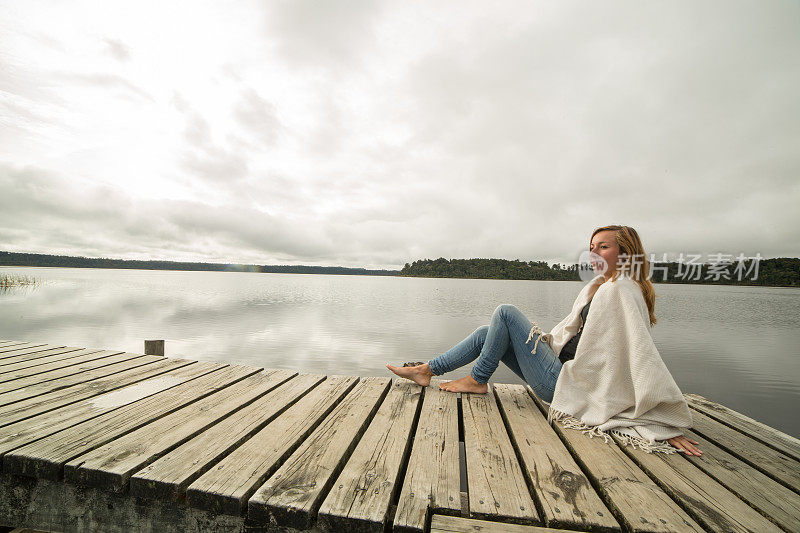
x: 154, y: 347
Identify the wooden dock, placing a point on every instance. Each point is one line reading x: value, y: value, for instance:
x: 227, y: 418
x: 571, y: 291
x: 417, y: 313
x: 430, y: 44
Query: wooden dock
x: 98, y: 440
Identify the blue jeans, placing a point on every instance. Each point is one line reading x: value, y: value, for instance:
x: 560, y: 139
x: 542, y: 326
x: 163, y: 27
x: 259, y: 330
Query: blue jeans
x: 504, y: 339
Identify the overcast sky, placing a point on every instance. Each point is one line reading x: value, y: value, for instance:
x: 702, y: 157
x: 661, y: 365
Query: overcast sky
x: 365, y: 133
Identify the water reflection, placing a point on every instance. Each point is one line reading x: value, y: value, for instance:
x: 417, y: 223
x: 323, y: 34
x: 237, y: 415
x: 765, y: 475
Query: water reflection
x: 735, y: 345
x: 21, y: 290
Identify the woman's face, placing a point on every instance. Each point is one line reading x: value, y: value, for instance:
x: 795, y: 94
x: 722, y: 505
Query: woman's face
x: 604, y: 244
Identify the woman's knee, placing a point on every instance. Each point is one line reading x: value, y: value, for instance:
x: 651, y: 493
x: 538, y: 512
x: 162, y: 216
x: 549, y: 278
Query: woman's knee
x: 481, y: 333
x: 505, y: 310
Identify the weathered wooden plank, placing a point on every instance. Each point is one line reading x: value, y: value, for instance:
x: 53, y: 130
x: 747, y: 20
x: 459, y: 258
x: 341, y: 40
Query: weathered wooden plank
x: 24, y: 346
x: 778, y: 503
x: 708, y: 502
x: 636, y: 501
x: 291, y: 496
x: 46, y: 457
x: 43, y: 368
x: 70, y: 356
x: 110, y: 466
x: 168, y: 477
x: 776, y: 465
x: 79, y: 362
x: 432, y: 477
x: 30, y: 356
x: 142, y: 401
x: 454, y: 524
x: 40, y: 358
x: 565, y: 495
x: 497, y: 488
x: 46, y: 356
x: 64, y: 378
x: 37, y: 405
x: 20, y: 433
x: 27, y: 354
x: 35, y: 351
x: 768, y: 435
x: 227, y: 486
x: 362, y: 494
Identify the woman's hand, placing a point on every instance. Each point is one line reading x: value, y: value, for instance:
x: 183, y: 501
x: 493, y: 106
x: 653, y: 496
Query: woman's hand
x: 685, y: 445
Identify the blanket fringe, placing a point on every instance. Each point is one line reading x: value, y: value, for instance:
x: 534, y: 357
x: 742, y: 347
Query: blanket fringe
x: 536, y: 330
x: 571, y: 422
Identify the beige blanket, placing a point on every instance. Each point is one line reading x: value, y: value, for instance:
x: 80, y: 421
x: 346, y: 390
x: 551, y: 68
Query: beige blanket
x: 617, y: 382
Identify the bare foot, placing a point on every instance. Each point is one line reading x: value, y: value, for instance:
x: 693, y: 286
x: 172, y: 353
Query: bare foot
x: 420, y: 374
x: 465, y: 384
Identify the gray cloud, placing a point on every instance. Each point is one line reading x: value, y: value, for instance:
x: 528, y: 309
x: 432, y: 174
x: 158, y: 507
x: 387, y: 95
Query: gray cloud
x: 322, y: 35
x: 118, y: 50
x: 258, y: 116
x: 198, y: 132
x: 216, y: 165
x: 25, y: 84
x: 506, y: 132
x: 99, y: 221
x: 205, y: 160
x: 104, y: 81
x: 552, y: 138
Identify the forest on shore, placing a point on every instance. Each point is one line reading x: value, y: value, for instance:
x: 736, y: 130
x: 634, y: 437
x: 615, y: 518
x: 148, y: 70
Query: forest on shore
x: 64, y: 261
x: 777, y: 272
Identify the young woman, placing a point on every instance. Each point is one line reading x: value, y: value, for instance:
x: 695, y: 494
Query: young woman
x: 598, y: 368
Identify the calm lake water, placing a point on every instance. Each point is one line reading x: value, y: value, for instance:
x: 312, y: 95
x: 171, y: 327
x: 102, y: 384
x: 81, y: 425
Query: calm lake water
x: 736, y: 345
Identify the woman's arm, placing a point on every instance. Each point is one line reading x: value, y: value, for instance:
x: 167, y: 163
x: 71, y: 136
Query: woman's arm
x: 685, y: 445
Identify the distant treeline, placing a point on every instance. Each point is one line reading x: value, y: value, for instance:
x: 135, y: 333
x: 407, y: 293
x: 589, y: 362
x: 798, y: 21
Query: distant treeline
x: 779, y: 272
x: 44, y: 260
x: 488, y: 269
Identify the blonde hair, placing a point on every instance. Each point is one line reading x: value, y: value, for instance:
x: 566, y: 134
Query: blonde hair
x: 631, y: 246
